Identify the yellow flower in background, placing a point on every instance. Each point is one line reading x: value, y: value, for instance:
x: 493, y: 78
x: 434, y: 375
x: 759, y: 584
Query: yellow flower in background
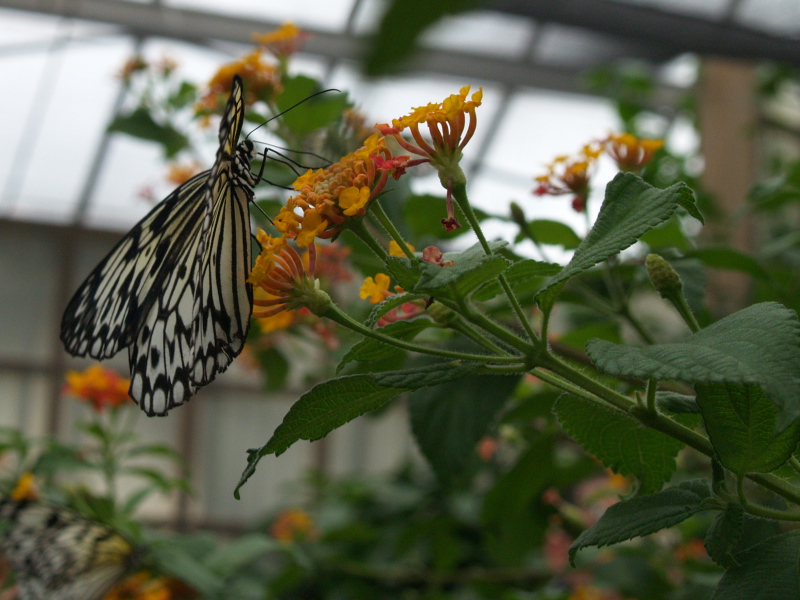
x: 293, y: 525
x: 375, y: 289
x: 180, y: 173
x: 396, y: 250
x: 25, y: 488
x: 141, y: 586
x: 261, y: 79
x: 283, y: 42
x: 101, y: 387
x: 631, y: 153
x: 570, y: 175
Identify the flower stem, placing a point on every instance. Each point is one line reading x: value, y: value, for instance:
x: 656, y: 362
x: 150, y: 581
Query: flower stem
x: 383, y: 218
x: 459, y: 191
x: 335, y: 314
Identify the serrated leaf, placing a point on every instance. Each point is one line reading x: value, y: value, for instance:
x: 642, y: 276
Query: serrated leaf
x: 371, y: 350
x: 619, y: 441
x: 333, y: 403
x: 524, y: 277
x: 631, y: 208
x: 463, y: 276
x: 724, y: 257
x: 668, y: 235
x: 724, y: 534
x: 759, y: 344
x: 644, y: 515
x: 391, y: 302
x: 768, y: 571
x: 140, y: 124
x: 554, y: 233
x: 449, y: 420
x: 406, y: 272
x: 740, y: 421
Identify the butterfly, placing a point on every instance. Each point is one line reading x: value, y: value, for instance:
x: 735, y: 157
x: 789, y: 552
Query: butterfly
x: 58, y: 554
x: 173, y: 291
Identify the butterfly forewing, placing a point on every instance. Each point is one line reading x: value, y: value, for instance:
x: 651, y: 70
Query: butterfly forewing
x: 57, y: 554
x: 173, y: 290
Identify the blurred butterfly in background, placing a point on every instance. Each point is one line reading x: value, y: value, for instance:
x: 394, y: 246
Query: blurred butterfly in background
x: 58, y: 554
x: 173, y: 290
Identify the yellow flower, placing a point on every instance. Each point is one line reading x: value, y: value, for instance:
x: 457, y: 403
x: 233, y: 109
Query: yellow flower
x: 99, y: 386
x: 261, y: 82
x: 282, y: 320
x: 330, y: 197
x: 570, y: 175
x: 395, y: 250
x: 631, y: 153
x: 179, y: 173
x: 282, y: 42
x: 375, y: 289
x: 25, y: 488
x: 292, y: 525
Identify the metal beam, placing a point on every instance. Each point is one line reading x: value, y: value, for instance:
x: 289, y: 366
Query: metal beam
x: 204, y: 28
x: 672, y: 31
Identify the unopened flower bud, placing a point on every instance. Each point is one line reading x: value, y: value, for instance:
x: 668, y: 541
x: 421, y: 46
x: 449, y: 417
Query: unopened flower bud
x: 663, y: 276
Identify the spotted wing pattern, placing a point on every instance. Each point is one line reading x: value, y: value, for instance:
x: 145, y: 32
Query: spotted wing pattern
x: 57, y: 554
x: 173, y: 290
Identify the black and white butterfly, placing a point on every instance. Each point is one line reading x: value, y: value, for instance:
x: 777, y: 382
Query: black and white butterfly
x: 173, y: 290
x: 58, y: 554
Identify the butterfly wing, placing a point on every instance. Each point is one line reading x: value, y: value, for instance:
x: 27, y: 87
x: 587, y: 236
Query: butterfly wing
x: 194, y: 332
x: 58, y: 554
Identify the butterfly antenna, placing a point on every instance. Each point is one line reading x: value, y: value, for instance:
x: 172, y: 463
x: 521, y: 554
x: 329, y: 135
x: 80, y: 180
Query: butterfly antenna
x: 292, y: 107
x: 261, y: 210
x: 304, y: 152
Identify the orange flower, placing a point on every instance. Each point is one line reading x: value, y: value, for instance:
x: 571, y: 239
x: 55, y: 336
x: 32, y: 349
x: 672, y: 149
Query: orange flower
x: 283, y: 42
x: 328, y: 198
x: 132, y: 65
x: 629, y: 152
x: 293, y: 525
x: 141, y: 586
x: 570, y: 175
x: 288, y: 284
x: 261, y: 82
x: 101, y: 387
x: 178, y: 173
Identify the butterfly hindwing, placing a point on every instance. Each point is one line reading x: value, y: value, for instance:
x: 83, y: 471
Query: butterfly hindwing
x: 174, y: 290
x: 57, y: 554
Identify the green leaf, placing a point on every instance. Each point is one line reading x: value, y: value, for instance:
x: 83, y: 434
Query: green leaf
x: 677, y: 403
x: 472, y: 268
x: 402, y: 24
x: 371, y: 350
x: 406, y: 272
x: 630, y: 209
x: 513, y: 518
x: 768, y: 571
x: 449, y: 420
x: 172, y: 559
x: 619, y: 441
x: 644, y: 515
x: 423, y: 214
x: 183, y: 96
x: 554, y: 233
x: 524, y: 277
x: 333, y: 403
x: 140, y: 124
x: 759, y: 344
x: 228, y: 559
x: 314, y: 113
x: 740, y: 421
x: 724, y: 535
x: 723, y: 257
x: 668, y: 235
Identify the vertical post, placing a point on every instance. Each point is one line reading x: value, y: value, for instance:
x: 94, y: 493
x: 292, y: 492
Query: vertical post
x: 727, y: 119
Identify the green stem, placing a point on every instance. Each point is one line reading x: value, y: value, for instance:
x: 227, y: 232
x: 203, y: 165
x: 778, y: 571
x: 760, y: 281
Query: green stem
x: 335, y: 314
x: 762, y: 511
x: 459, y: 191
x: 682, y: 306
x: 501, y: 333
x: 383, y: 218
x: 358, y: 228
x: 652, y: 386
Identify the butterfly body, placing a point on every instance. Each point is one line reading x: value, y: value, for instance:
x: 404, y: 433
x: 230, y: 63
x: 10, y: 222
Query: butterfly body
x: 173, y: 291
x: 57, y: 554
